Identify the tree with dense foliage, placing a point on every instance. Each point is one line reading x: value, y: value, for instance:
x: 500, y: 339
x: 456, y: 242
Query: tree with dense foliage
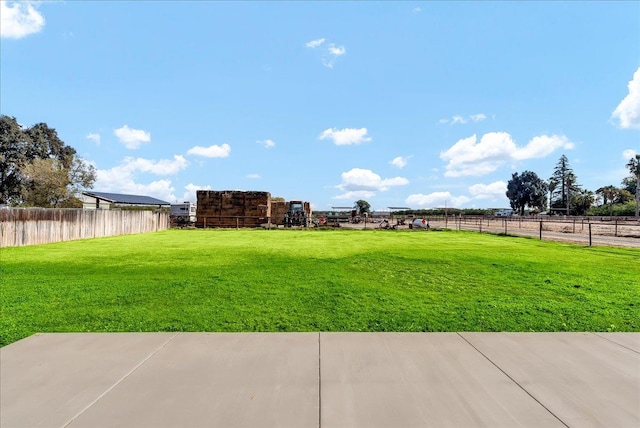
x: 37, y: 168
x: 363, y: 206
x: 526, y: 190
x: 634, y: 168
x: 582, y: 201
x: 609, y: 194
x: 565, y: 183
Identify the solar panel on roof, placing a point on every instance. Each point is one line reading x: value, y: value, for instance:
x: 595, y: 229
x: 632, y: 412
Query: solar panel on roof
x: 118, y: 198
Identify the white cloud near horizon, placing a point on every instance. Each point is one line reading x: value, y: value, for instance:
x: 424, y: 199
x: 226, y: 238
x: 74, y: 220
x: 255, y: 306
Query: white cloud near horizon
x: 364, y: 180
x: 213, y: 151
x: 628, y: 111
x: 268, y: 143
x: 132, y: 138
x: 94, y: 137
x: 19, y: 19
x: 400, y: 161
x: 124, y: 177
x: 470, y: 157
x: 190, y: 192
x: 346, y: 136
x: 253, y: 176
x: 493, y: 191
x: 436, y: 200
x: 356, y: 195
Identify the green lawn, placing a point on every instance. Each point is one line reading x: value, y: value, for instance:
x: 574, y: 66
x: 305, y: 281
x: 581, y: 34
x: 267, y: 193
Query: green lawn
x: 259, y: 280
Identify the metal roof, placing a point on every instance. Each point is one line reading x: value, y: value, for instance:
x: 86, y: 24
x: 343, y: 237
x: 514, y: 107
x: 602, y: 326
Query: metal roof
x: 118, y: 198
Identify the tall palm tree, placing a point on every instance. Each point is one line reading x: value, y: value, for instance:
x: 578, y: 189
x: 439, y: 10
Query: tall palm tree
x: 609, y: 194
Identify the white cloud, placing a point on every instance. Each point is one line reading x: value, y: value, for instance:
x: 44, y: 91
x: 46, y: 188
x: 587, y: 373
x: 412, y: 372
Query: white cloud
x: 359, y: 180
x: 417, y: 9
x: 477, y: 117
x: 19, y: 19
x: 124, y: 178
x: 356, y: 194
x: 400, y: 161
x: 314, y: 43
x: 132, y: 138
x: 346, y: 136
x: 213, y: 151
x: 191, y: 189
x: 462, y: 120
x: 436, y: 200
x: 330, y: 52
x: 336, y: 50
x: 495, y: 190
x: 333, y: 52
x: 268, y: 144
x: 628, y: 111
x: 254, y: 176
x: 469, y: 156
x: 94, y: 137
x: 112, y: 181
x: 161, y: 167
x: 129, y: 166
x: 542, y: 146
x: 629, y: 154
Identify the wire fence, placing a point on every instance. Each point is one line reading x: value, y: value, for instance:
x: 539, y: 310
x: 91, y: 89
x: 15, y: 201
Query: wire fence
x: 583, y: 230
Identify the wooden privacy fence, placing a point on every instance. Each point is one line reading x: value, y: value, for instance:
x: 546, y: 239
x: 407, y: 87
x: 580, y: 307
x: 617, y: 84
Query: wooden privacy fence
x: 33, y: 226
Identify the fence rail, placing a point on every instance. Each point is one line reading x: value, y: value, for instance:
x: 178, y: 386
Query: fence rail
x: 587, y: 230
x: 33, y: 226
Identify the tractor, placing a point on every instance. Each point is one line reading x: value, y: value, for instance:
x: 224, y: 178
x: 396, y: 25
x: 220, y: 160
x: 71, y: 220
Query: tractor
x: 298, y: 214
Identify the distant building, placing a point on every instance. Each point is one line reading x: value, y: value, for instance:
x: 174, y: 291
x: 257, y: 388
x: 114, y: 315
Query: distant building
x: 106, y: 201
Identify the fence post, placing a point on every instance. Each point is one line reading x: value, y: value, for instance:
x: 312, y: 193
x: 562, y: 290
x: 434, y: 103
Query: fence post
x: 589, y: 233
x: 541, y: 230
x: 481, y: 225
x: 574, y: 225
x: 505, y: 226
x: 616, y: 231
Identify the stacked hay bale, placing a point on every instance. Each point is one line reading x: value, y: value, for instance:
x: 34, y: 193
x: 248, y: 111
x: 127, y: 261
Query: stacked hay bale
x: 232, y: 208
x: 278, y: 208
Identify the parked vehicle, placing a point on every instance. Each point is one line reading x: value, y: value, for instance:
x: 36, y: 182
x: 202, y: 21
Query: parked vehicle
x: 298, y: 214
x: 183, y: 214
x: 504, y: 213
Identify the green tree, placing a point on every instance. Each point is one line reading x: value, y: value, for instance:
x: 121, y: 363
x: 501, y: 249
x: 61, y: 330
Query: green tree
x: 13, y: 147
x: 363, y: 206
x: 526, y: 190
x: 634, y: 168
x: 37, y: 168
x: 565, y: 183
x: 46, y: 183
x: 609, y: 194
x: 582, y: 201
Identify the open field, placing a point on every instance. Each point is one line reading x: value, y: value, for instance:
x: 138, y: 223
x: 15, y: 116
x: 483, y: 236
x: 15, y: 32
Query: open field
x: 306, y: 280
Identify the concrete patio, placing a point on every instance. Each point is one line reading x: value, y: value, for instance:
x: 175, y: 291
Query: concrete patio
x: 321, y: 380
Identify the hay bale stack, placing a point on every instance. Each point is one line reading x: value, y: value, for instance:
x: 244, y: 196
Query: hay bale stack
x: 278, y: 208
x: 232, y: 208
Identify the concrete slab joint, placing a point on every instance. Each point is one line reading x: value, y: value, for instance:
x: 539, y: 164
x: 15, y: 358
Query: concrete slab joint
x: 321, y: 380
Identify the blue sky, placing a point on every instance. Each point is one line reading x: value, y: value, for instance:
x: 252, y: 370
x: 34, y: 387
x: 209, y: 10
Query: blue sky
x: 416, y: 104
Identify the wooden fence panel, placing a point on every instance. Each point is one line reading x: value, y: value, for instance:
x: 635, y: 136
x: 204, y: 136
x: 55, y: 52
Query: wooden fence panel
x: 33, y: 226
